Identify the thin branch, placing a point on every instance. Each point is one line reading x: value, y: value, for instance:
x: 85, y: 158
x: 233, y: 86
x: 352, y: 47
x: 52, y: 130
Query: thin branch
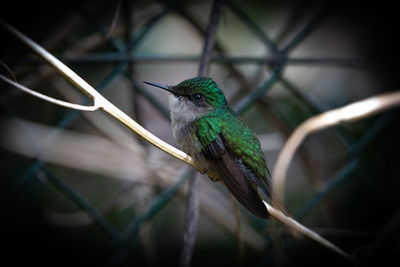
x: 344, y: 172
x: 99, y: 100
x: 296, y: 226
x: 48, y: 98
x: 349, y: 113
x: 56, y: 64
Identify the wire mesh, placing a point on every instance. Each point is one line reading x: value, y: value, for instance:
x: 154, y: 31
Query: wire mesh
x: 270, y: 94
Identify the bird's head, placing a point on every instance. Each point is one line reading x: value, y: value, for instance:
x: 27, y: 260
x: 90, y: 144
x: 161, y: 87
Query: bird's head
x: 200, y: 93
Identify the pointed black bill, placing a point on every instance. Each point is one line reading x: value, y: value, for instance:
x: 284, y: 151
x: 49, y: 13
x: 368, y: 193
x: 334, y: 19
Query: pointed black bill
x: 159, y: 85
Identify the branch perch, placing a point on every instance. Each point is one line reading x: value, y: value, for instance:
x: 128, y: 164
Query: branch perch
x: 102, y: 103
x: 299, y: 228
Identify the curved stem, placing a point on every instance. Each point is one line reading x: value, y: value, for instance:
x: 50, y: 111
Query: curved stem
x: 48, y: 98
x: 349, y: 113
x: 299, y: 228
x: 99, y: 100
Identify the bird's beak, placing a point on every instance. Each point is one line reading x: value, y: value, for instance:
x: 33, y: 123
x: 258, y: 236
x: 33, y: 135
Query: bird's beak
x: 162, y: 86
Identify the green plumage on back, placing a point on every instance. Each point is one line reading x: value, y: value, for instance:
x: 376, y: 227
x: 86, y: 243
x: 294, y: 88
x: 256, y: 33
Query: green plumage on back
x: 206, y: 128
x: 240, y: 139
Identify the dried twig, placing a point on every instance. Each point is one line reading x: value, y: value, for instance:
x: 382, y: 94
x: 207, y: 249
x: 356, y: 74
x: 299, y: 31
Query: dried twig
x: 298, y: 227
x: 101, y: 103
x: 50, y: 99
x: 349, y: 113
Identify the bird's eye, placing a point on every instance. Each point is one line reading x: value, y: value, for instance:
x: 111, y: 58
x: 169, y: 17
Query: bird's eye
x: 197, y: 97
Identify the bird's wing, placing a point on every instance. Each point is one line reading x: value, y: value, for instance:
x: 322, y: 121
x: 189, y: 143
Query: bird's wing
x: 244, y: 144
x: 216, y: 150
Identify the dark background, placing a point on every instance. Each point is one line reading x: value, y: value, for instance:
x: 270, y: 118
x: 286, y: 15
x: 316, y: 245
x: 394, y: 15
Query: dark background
x: 28, y: 237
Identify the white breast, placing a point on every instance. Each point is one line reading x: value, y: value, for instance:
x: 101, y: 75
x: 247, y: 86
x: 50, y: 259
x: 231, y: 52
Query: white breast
x: 183, y: 115
x: 182, y: 110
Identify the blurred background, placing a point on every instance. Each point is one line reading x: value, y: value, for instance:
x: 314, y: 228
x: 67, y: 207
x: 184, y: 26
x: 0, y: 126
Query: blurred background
x: 79, y: 188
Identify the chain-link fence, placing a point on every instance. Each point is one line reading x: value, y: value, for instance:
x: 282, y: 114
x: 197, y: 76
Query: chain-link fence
x: 78, y: 188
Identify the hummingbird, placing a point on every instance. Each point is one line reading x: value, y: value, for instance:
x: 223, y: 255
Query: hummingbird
x: 206, y: 128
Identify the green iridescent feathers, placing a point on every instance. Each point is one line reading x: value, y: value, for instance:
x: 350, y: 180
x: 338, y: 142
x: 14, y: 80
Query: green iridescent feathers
x: 220, y: 121
x: 205, y: 86
x: 206, y: 128
x: 240, y: 139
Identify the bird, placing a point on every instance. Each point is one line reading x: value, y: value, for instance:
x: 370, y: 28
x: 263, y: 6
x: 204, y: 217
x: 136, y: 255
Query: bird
x: 206, y: 128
